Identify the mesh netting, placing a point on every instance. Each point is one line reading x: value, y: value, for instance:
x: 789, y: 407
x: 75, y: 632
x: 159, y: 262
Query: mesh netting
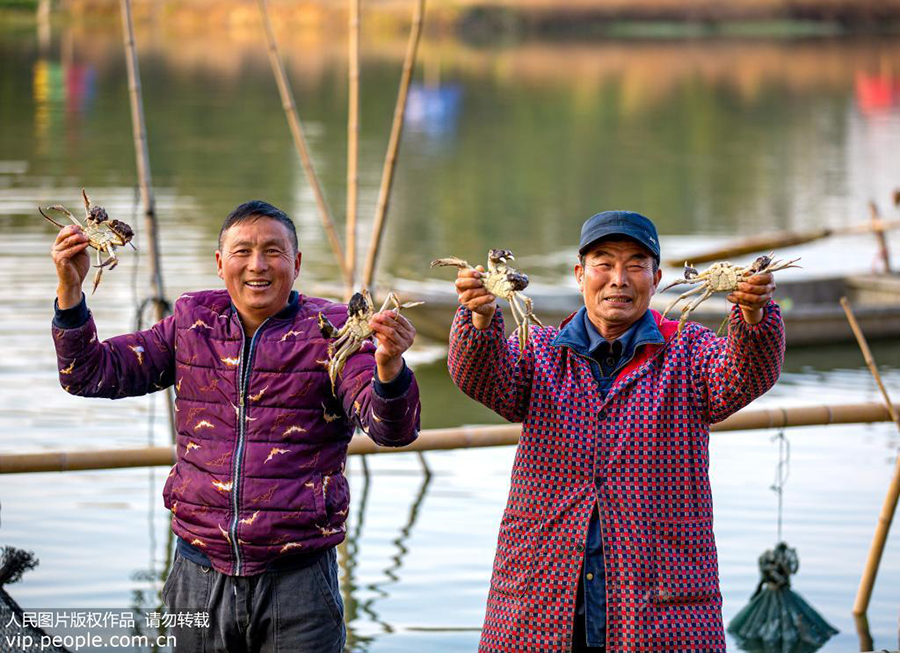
x: 777, y: 620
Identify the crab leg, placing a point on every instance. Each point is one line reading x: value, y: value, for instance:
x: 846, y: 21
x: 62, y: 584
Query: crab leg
x: 677, y: 282
x: 688, y: 309
x: 779, y: 265
x: 108, y: 248
x: 522, y: 327
x: 337, y: 364
x: 87, y: 203
x: 517, y: 310
x: 391, y: 298
x: 692, y: 291
x: 529, y: 315
x: 451, y: 261
x: 61, y: 226
x: 97, y: 276
x: 340, y: 340
x: 63, y: 210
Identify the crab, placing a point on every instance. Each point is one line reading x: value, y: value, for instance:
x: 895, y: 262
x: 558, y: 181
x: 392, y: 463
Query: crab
x: 103, y: 234
x: 507, y: 282
x: 350, y: 337
x: 721, y: 276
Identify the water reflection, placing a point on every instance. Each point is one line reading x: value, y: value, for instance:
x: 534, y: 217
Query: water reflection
x: 714, y: 138
x: 878, y: 94
x: 348, y: 559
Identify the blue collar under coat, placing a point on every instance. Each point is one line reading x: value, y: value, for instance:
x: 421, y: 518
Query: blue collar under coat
x: 583, y: 338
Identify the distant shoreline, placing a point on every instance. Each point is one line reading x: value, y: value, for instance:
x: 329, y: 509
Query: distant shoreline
x: 488, y: 19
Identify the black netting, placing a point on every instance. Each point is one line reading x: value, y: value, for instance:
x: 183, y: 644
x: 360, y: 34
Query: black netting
x: 777, y: 620
x: 15, y: 636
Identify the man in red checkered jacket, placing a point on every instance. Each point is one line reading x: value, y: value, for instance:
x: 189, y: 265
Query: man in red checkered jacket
x: 607, y: 539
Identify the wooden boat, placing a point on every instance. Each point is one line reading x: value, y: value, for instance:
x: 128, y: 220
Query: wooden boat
x: 812, y: 314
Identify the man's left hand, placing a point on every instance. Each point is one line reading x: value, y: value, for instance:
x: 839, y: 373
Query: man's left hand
x: 752, y: 295
x: 395, y: 334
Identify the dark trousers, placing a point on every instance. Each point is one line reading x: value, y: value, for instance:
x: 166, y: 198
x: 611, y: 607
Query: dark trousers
x: 277, y: 611
x: 579, y: 640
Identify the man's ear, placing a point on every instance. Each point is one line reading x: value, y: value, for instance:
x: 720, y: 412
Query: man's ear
x: 579, y: 276
x: 297, y: 260
x: 219, y: 264
x: 656, y: 279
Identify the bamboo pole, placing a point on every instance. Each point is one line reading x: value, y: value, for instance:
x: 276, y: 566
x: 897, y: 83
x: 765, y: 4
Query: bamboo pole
x: 352, y: 147
x: 466, y: 437
x: 878, y: 229
x: 390, y: 160
x: 290, y: 110
x: 142, y: 156
x: 864, y: 594
x: 862, y: 632
x: 44, y: 30
x: 781, y: 239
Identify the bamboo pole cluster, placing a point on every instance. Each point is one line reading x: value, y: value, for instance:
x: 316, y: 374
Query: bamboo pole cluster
x: 469, y: 437
x: 889, y: 507
x: 346, y: 259
x: 296, y: 127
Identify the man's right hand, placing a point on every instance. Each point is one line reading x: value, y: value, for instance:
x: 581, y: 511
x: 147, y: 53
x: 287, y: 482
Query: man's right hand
x: 473, y: 296
x: 72, y: 265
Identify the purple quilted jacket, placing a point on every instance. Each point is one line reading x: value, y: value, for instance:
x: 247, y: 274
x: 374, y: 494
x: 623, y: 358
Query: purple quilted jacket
x: 260, y: 454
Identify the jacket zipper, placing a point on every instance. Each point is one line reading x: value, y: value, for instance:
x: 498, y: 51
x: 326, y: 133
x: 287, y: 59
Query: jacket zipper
x: 244, y: 378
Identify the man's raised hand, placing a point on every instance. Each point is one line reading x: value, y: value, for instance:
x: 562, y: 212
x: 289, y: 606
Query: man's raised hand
x: 752, y: 295
x: 395, y: 334
x: 472, y: 294
x: 72, y: 264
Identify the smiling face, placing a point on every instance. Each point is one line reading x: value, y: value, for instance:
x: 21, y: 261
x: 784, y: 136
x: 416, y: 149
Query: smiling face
x: 258, y: 263
x: 617, y: 281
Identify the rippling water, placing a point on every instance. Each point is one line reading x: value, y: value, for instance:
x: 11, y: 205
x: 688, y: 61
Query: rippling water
x: 510, y: 145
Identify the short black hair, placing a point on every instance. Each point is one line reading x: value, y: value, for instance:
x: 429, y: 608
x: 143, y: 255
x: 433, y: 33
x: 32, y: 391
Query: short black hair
x: 255, y: 209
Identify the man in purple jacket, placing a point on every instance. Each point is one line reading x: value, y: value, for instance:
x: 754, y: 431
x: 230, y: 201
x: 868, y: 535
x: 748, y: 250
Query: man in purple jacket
x: 258, y: 496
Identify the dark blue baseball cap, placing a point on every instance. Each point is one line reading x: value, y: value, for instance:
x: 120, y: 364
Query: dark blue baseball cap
x: 619, y: 223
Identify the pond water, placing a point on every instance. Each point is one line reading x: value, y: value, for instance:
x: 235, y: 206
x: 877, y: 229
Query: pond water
x: 511, y: 145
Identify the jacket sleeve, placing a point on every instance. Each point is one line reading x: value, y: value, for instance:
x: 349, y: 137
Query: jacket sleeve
x: 125, y: 366
x: 389, y: 421
x: 486, y: 366
x: 729, y: 373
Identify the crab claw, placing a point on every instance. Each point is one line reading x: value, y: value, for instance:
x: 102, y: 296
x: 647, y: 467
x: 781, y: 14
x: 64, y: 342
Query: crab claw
x: 690, y: 271
x: 762, y: 262
x: 517, y: 280
x: 501, y: 255
x: 326, y: 327
x: 358, y: 304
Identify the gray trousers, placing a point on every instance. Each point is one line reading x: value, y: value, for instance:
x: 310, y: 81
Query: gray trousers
x: 277, y: 611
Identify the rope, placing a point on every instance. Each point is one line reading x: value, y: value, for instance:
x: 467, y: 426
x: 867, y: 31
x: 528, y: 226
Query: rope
x: 782, y: 470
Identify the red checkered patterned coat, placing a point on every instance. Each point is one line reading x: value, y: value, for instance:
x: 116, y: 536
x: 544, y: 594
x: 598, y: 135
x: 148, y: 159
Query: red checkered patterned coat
x: 648, y: 443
